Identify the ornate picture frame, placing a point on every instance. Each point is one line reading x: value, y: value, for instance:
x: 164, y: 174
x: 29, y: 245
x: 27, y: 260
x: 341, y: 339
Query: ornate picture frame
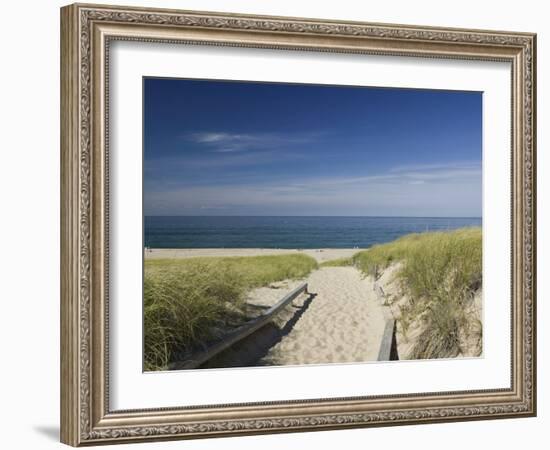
x: 87, y: 32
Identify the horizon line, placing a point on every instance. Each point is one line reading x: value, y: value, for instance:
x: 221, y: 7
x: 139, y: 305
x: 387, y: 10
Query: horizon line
x: 312, y: 215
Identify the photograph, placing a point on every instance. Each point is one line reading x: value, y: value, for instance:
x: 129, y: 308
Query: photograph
x: 289, y: 224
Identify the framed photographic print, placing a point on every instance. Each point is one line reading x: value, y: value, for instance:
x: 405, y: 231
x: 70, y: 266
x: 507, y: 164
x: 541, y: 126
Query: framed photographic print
x: 276, y: 224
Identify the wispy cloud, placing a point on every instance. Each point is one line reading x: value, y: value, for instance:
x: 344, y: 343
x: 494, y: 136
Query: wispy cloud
x: 444, y: 190
x: 455, y: 165
x: 445, y: 172
x: 216, y: 137
x: 225, y: 142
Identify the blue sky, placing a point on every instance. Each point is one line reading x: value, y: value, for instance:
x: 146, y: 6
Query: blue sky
x: 245, y: 148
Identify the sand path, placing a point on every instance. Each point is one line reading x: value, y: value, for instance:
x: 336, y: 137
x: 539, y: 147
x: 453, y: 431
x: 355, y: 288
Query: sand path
x: 344, y: 322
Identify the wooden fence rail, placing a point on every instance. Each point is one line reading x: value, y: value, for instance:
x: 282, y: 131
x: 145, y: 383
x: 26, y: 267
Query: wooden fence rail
x: 388, y: 347
x: 240, y: 333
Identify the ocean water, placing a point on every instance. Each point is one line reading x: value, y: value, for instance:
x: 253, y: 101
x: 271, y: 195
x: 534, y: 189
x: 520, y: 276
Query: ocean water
x: 288, y: 231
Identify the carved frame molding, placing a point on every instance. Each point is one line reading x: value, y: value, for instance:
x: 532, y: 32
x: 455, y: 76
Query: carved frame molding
x: 86, y: 32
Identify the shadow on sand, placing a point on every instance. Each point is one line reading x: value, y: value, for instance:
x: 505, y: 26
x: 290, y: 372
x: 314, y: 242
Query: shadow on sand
x: 252, y: 350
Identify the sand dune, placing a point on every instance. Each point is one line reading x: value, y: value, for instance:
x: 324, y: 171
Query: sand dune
x: 341, y: 322
x: 344, y: 322
x: 321, y: 255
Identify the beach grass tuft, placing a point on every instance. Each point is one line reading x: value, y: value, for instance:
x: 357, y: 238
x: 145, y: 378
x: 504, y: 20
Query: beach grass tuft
x: 340, y: 262
x: 440, y: 272
x: 188, y: 302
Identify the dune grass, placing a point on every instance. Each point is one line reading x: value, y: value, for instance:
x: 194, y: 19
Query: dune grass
x: 188, y: 302
x: 440, y: 273
x: 340, y: 262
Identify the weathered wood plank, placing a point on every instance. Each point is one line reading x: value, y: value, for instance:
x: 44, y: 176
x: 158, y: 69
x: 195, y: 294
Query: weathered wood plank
x: 388, y: 346
x: 240, y: 333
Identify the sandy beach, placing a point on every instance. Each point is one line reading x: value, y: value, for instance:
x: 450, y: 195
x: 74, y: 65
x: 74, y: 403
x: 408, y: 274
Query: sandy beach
x: 342, y: 321
x: 339, y: 320
x: 321, y: 255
